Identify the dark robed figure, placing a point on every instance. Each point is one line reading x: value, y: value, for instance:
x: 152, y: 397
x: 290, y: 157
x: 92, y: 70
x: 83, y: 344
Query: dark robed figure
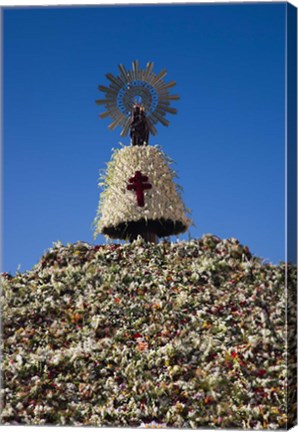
x: 139, y: 129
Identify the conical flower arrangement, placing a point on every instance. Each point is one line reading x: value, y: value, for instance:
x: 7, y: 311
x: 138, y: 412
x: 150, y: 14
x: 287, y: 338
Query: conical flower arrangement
x: 140, y: 195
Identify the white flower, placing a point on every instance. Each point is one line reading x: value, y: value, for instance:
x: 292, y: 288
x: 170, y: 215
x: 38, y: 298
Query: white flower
x: 153, y: 425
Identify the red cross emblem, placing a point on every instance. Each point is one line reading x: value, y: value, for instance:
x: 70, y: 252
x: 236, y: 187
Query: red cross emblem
x: 138, y: 184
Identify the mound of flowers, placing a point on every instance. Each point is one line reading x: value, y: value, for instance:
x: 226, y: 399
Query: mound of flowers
x: 188, y: 334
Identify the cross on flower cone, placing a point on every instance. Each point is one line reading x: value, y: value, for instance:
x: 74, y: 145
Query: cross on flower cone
x: 140, y: 196
x: 139, y: 185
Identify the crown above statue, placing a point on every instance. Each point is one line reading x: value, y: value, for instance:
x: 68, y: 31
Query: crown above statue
x: 138, y: 89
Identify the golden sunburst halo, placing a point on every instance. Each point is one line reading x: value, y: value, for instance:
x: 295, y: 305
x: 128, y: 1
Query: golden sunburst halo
x: 137, y: 86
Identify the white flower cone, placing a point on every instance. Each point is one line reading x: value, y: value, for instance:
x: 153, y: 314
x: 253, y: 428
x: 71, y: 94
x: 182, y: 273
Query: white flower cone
x: 120, y: 211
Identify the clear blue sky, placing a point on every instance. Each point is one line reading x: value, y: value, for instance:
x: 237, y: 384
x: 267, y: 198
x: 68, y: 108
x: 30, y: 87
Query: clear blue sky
x: 227, y: 139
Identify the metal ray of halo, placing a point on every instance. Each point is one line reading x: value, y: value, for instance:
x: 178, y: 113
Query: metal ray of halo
x: 123, y: 89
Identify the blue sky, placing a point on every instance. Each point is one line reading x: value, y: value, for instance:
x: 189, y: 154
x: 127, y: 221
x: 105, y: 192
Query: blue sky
x: 227, y: 139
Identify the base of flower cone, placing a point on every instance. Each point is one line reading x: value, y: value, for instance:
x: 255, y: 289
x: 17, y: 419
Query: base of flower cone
x: 123, y: 214
x: 159, y: 227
